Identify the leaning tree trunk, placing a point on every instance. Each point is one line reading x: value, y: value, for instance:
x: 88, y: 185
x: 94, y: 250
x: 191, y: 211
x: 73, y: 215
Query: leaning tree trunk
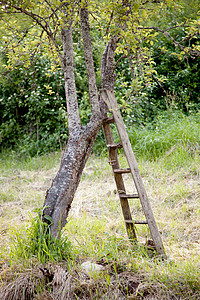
x: 60, y: 196
x: 81, y: 139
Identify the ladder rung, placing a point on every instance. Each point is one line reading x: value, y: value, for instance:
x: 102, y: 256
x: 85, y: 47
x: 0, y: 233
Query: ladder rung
x: 136, y: 221
x: 132, y: 196
x: 115, y: 146
x: 121, y: 171
x: 109, y: 120
x: 128, y: 221
x: 140, y: 222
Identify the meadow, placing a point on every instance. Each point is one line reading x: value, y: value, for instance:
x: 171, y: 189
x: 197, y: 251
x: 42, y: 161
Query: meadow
x: 168, y: 155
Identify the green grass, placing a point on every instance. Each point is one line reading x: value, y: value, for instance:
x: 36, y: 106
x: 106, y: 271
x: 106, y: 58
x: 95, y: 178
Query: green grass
x: 13, y: 162
x: 36, y: 242
x: 172, y: 132
x: 95, y: 228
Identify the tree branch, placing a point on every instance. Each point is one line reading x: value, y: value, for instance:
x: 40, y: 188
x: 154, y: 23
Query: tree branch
x: 70, y: 86
x: 165, y: 32
x: 89, y: 61
x: 38, y: 19
x: 107, y: 65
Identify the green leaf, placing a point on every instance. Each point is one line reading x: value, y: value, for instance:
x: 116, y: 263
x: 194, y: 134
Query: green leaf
x: 48, y: 218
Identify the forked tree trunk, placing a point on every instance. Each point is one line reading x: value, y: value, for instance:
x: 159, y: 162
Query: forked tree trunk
x: 81, y: 139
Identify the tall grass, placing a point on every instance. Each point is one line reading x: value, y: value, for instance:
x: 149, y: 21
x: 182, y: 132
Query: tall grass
x: 11, y: 161
x: 171, y: 131
x: 36, y: 242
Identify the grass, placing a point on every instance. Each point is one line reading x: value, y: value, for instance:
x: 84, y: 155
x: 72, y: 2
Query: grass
x: 170, y: 132
x: 96, y: 229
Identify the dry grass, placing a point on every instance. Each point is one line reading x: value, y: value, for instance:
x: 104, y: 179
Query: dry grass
x: 115, y: 283
x: 19, y: 283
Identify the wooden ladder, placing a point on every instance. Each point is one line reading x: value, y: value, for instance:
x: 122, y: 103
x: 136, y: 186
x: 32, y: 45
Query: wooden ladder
x: 111, y: 102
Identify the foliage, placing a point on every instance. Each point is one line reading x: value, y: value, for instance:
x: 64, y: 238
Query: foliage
x: 167, y: 75
x: 32, y: 109
x: 180, y: 78
x: 173, y: 85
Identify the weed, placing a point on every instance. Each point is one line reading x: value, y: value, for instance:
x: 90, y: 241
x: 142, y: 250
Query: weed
x: 37, y: 242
